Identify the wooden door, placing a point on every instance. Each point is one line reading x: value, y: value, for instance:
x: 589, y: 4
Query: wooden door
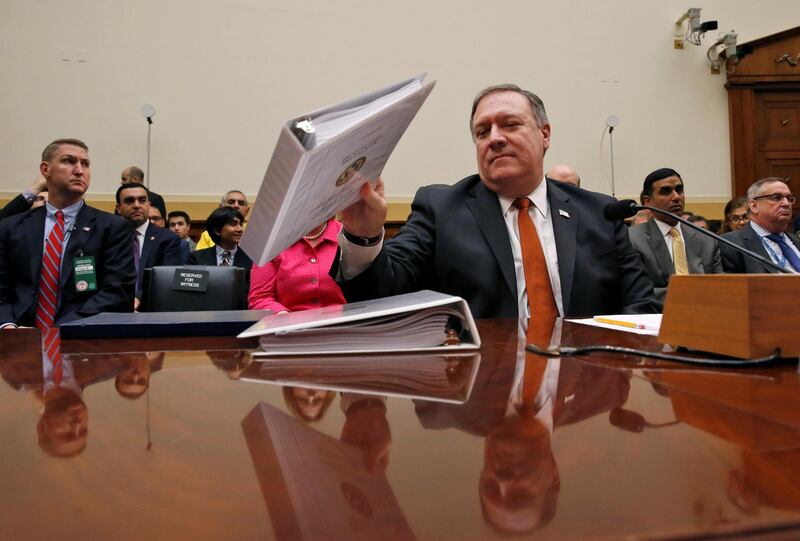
x: 777, y: 126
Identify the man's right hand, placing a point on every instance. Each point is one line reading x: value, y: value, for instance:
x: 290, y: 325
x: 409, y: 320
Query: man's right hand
x: 366, y: 217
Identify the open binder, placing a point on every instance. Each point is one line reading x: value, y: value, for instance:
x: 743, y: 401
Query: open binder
x: 321, y: 161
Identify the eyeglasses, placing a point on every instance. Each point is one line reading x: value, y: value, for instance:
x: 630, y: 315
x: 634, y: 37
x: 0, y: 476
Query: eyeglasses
x: 777, y: 198
x: 241, y: 202
x: 739, y: 218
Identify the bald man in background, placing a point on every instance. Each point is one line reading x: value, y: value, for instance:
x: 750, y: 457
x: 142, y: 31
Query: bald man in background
x: 564, y: 173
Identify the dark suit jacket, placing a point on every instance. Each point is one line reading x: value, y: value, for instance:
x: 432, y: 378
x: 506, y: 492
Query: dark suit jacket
x: 100, y: 234
x: 736, y: 262
x: 456, y: 242
x: 702, y: 254
x: 208, y: 257
x: 16, y: 206
x: 161, y: 247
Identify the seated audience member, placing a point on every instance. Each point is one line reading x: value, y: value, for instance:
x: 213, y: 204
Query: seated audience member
x: 564, y: 173
x: 134, y: 175
x: 298, y: 278
x: 180, y: 224
x: 43, y: 290
x: 234, y: 199
x: 154, y: 217
x: 33, y: 197
x: 225, y: 227
x: 152, y: 246
x: 770, y: 202
x: 508, y: 241
x: 737, y: 214
x: 698, y: 220
x: 666, y: 247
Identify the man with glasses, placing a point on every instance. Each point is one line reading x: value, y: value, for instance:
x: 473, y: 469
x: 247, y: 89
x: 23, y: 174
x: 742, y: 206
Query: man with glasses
x: 770, y: 202
x: 235, y: 199
x: 667, y: 247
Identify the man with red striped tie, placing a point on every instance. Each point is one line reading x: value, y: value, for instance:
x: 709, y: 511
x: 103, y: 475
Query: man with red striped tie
x: 65, y: 260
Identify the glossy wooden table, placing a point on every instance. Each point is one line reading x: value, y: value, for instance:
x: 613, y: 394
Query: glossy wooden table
x: 164, y: 442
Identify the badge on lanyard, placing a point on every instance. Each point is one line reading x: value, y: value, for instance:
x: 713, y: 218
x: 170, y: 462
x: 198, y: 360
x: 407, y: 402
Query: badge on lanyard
x: 85, y: 273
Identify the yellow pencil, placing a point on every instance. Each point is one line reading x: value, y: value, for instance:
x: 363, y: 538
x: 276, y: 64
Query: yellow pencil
x: 620, y: 323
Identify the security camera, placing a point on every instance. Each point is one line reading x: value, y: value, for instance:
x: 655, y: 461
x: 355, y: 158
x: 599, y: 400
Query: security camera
x: 695, y: 29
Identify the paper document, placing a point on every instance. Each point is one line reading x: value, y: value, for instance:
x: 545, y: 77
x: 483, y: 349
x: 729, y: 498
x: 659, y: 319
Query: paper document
x: 321, y: 160
x: 420, y: 321
x: 633, y: 323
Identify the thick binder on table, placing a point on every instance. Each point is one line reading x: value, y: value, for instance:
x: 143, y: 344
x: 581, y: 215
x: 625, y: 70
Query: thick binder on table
x: 420, y: 321
x: 315, y: 168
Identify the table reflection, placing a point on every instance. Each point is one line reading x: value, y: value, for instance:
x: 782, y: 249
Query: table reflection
x: 56, y: 382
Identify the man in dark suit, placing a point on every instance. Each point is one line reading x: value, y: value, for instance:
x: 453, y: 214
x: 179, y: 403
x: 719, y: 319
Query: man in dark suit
x: 134, y: 175
x: 94, y: 242
x: 463, y: 239
x: 664, y: 252
x: 770, y: 202
x: 224, y: 227
x: 152, y: 246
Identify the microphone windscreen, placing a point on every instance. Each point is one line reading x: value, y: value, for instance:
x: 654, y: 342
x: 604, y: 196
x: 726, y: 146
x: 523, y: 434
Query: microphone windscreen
x: 619, y: 210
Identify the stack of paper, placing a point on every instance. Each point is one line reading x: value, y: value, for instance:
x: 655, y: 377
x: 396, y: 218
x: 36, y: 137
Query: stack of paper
x: 421, y: 321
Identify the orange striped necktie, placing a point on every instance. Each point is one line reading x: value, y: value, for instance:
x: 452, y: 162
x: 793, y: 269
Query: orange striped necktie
x: 541, y: 302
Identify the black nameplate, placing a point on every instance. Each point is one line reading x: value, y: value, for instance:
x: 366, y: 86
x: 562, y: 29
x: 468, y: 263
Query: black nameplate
x: 190, y: 280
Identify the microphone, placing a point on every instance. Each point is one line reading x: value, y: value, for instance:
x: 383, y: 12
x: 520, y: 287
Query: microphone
x: 619, y: 210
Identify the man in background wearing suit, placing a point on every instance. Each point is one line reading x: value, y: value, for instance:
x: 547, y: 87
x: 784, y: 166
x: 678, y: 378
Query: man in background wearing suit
x: 134, y: 175
x: 666, y: 247
x: 152, y: 246
x: 771, y: 203
x: 470, y: 239
x: 88, y: 268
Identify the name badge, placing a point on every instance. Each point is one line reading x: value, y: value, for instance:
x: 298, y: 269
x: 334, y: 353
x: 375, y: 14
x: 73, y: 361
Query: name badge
x: 85, y: 274
x: 190, y: 280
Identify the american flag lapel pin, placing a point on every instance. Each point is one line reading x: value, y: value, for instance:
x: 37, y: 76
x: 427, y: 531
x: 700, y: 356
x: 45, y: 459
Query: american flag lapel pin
x: 563, y: 213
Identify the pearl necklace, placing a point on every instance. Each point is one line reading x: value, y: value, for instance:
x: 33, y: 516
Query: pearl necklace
x: 318, y: 234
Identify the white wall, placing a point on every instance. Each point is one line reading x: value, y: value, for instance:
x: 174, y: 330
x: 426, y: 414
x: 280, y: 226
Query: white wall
x: 225, y: 74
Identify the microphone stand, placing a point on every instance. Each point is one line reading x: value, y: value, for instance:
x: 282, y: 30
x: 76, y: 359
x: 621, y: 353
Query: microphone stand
x: 147, y: 174
x: 611, y: 147
x: 718, y: 238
